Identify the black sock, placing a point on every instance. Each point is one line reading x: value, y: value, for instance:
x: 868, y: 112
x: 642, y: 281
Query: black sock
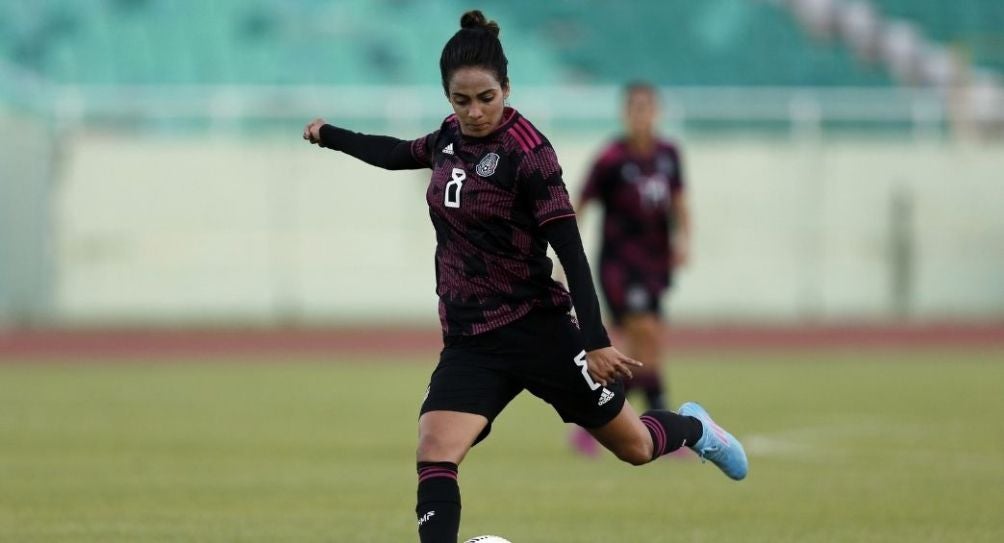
x: 650, y: 384
x: 655, y: 395
x: 670, y: 431
x: 438, y: 506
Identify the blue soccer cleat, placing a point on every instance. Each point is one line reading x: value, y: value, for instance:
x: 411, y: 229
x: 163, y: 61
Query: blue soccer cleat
x: 717, y: 445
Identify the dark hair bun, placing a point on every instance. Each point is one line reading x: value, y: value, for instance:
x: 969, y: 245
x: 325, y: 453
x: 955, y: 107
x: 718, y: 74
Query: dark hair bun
x: 474, y: 19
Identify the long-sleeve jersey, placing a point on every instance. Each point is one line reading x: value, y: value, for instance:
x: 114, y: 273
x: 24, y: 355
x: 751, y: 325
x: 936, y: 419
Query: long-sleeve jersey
x: 495, y: 202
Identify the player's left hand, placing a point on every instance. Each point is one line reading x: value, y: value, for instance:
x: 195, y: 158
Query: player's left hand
x: 608, y: 364
x: 312, y: 132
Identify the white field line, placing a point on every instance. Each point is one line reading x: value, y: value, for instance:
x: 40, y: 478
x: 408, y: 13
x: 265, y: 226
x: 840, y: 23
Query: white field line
x: 833, y: 442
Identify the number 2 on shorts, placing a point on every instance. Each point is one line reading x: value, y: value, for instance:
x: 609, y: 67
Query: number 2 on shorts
x: 580, y: 360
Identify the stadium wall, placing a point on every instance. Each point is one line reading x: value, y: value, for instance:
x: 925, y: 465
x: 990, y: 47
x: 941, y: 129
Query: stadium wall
x: 183, y: 230
x: 28, y: 164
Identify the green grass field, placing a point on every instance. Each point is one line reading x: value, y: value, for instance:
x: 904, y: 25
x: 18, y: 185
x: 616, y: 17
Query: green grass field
x: 858, y: 447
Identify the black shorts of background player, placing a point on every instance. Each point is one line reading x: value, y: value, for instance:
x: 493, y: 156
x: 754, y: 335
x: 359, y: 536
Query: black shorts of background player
x: 638, y: 181
x: 496, y: 200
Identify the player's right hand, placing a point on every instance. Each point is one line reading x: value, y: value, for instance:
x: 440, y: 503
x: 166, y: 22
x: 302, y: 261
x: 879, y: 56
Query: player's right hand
x: 606, y: 365
x: 312, y: 132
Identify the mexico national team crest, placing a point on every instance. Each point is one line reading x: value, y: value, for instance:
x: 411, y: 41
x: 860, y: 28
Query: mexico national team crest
x: 487, y: 165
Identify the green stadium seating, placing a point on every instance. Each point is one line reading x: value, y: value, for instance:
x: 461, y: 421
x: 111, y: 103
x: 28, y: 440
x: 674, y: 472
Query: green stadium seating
x: 378, y: 42
x: 398, y: 42
x: 682, y: 42
x: 240, y: 41
x: 974, y: 27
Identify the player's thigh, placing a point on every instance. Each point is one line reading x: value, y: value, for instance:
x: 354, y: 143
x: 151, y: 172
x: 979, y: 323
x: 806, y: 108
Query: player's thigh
x: 643, y: 331
x: 645, y: 325
x: 470, y: 381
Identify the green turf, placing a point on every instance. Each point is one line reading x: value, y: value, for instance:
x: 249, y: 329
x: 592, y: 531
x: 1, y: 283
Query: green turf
x: 869, y: 447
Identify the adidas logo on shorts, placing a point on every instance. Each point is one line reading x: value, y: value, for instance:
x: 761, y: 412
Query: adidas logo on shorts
x: 605, y: 397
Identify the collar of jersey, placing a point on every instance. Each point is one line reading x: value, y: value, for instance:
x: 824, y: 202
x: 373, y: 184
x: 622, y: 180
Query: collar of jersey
x: 625, y: 143
x: 509, y: 116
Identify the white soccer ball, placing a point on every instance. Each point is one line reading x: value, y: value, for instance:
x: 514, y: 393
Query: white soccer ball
x: 487, y: 539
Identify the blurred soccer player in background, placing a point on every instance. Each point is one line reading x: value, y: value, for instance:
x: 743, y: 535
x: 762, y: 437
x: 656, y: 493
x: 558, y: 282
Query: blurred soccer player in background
x: 496, y: 200
x: 638, y: 179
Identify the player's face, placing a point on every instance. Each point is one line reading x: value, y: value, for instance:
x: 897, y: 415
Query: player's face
x: 640, y: 113
x: 478, y: 99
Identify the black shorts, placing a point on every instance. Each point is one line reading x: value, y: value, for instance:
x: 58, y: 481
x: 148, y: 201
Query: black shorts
x: 628, y: 291
x: 542, y: 353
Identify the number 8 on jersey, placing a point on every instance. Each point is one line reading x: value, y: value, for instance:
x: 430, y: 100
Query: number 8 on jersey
x: 453, y: 188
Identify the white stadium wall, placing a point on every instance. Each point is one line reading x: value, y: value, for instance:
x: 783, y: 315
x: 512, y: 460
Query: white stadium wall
x: 203, y: 230
x: 27, y: 160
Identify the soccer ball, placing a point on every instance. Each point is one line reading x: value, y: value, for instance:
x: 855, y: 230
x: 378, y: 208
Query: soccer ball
x: 487, y: 539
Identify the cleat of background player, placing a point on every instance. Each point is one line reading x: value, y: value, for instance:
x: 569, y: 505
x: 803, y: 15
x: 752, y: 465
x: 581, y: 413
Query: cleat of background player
x: 584, y: 443
x: 717, y: 445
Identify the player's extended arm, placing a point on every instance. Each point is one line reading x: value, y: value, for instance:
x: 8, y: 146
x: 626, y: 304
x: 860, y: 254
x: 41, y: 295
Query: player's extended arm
x: 381, y: 151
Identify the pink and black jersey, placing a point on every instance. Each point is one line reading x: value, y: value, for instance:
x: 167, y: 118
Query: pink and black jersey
x: 488, y: 198
x: 636, y: 192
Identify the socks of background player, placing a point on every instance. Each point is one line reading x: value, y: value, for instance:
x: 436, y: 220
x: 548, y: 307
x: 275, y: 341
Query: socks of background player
x: 651, y: 386
x: 630, y: 385
x: 656, y: 398
x: 438, y: 506
x: 670, y: 431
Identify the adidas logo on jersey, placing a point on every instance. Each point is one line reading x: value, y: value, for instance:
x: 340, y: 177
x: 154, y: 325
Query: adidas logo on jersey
x: 605, y: 396
x: 448, y: 150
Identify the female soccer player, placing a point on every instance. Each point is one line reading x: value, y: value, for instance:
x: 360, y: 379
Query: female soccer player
x: 496, y: 199
x: 638, y: 179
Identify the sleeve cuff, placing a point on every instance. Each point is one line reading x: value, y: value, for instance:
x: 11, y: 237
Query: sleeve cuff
x: 598, y: 344
x: 329, y: 136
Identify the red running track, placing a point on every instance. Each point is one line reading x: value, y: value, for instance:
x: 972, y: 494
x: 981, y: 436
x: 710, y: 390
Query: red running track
x: 274, y: 343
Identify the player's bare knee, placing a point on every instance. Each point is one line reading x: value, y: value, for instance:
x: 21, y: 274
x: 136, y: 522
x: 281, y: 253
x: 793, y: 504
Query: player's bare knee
x: 636, y: 453
x: 433, y: 448
x: 430, y: 450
